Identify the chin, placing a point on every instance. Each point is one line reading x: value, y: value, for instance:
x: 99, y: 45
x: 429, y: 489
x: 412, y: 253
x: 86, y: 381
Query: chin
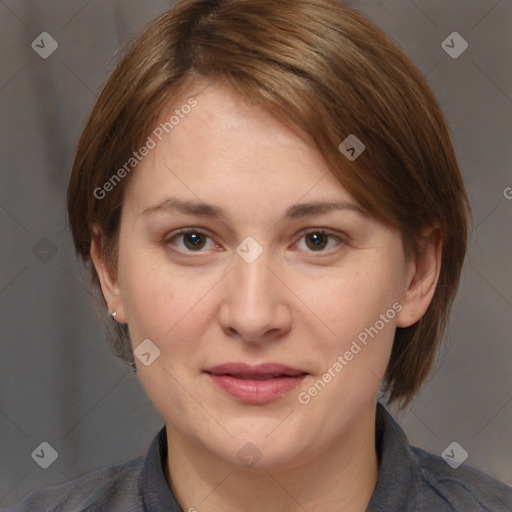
x: 266, y: 452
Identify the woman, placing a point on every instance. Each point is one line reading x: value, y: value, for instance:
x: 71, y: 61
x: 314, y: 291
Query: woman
x: 270, y: 202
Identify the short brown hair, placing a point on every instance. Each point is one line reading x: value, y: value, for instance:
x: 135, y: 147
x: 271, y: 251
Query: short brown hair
x: 324, y: 67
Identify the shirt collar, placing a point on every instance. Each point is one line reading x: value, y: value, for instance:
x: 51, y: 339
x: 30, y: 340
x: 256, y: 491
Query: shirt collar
x: 395, y: 490
x: 153, y: 486
x: 398, y: 478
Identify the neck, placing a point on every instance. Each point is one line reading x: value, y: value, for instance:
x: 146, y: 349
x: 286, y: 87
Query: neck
x: 341, y: 476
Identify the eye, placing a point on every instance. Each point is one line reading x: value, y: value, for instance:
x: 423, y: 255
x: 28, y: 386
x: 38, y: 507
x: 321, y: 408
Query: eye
x: 195, y: 240
x: 319, y: 240
x: 192, y: 240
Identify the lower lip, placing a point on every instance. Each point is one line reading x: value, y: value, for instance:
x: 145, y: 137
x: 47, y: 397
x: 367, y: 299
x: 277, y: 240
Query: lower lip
x: 257, y: 391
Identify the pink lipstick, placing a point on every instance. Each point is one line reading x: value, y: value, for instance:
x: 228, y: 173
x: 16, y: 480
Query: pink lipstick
x: 255, y: 384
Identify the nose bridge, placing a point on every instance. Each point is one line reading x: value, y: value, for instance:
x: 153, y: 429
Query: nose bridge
x: 252, y: 281
x: 253, y: 303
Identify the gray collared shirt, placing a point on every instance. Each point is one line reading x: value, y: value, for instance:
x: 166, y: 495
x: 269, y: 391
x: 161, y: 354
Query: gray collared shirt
x: 410, y: 479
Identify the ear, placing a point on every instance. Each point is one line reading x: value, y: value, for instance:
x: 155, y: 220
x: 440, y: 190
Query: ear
x: 423, y: 271
x: 107, y: 277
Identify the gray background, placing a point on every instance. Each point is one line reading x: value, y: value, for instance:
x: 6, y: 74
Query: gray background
x: 60, y: 383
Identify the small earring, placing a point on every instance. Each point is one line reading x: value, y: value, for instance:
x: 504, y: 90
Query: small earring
x: 113, y: 315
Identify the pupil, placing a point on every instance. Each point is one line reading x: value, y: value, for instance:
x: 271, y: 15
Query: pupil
x: 319, y: 240
x: 194, y: 240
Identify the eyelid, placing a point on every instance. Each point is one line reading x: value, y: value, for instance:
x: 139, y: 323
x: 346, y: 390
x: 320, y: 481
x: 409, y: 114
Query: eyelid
x: 183, y: 231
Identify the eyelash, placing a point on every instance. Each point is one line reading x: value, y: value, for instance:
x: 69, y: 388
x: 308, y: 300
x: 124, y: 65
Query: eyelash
x: 188, y: 231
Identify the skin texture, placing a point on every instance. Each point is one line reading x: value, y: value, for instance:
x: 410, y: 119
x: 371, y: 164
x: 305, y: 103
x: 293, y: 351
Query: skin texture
x: 296, y: 304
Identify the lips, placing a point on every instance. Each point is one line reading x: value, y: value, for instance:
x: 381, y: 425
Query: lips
x: 255, y: 384
x: 260, y: 372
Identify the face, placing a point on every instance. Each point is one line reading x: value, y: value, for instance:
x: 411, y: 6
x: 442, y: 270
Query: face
x: 271, y: 296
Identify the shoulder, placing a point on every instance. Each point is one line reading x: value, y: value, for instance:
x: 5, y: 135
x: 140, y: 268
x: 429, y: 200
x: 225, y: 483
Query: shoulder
x: 110, y: 488
x: 411, y: 478
x: 463, y: 488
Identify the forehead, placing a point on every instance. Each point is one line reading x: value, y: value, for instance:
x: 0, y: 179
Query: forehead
x: 225, y: 147
x: 223, y: 123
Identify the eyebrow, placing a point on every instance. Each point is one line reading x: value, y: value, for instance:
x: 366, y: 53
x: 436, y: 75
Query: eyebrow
x: 297, y: 211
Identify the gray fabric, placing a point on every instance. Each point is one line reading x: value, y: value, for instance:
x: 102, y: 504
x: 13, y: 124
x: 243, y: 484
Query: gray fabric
x: 410, y: 480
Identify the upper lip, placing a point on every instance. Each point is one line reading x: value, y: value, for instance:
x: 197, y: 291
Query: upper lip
x: 268, y: 370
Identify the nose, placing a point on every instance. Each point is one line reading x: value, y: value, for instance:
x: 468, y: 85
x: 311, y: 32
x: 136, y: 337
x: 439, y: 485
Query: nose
x: 255, y: 306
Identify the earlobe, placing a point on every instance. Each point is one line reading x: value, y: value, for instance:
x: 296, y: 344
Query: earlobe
x: 422, y: 277
x: 108, y: 278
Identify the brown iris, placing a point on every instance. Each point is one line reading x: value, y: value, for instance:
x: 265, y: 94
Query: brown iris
x: 316, y: 241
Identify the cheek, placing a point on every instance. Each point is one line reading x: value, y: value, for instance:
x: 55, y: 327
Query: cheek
x: 352, y: 343
x: 347, y: 303
x: 162, y: 304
